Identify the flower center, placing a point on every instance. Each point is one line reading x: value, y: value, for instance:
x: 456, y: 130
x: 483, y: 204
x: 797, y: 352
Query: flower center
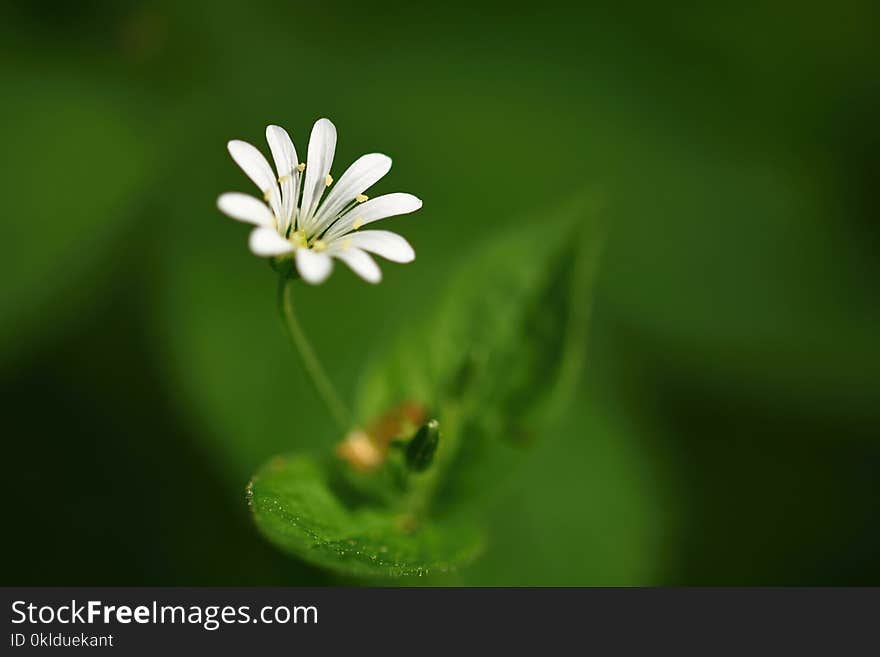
x: 301, y: 241
x: 298, y: 239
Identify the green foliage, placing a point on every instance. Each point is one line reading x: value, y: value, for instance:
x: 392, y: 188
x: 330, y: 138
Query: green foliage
x: 514, y: 313
x: 501, y: 356
x: 300, y: 505
x: 494, y: 362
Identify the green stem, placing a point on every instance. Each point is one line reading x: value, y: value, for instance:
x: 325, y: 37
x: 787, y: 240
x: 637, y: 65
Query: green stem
x: 323, y: 385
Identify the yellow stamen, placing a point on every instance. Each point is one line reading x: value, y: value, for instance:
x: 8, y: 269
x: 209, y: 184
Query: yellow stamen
x: 298, y: 239
x: 358, y: 222
x: 319, y: 246
x: 283, y: 178
x: 328, y: 180
x: 360, y: 198
x: 301, y: 167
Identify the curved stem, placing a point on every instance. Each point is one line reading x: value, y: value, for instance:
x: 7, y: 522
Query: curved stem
x: 312, y: 365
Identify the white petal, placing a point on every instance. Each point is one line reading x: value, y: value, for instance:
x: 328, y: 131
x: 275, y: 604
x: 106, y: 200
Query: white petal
x: 322, y: 147
x: 284, y: 154
x: 313, y: 267
x: 361, y: 264
x: 377, y: 208
x: 358, y: 178
x: 381, y: 242
x: 246, y: 208
x: 267, y: 242
x: 283, y: 151
x: 257, y: 169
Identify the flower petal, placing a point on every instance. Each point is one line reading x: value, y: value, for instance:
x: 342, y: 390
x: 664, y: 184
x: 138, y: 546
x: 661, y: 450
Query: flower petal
x: 322, y: 147
x: 267, y: 242
x: 360, y: 263
x: 381, y: 242
x: 313, y: 267
x: 257, y: 169
x: 284, y: 154
x: 359, y: 177
x: 377, y: 208
x: 244, y: 207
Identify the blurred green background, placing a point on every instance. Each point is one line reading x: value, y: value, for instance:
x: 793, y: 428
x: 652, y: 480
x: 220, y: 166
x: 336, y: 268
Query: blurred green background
x: 727, y: 428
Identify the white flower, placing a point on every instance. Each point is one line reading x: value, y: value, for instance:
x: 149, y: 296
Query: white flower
x: 292, y: 219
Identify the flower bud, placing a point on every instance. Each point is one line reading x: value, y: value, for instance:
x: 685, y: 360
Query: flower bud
x: 421, y: 449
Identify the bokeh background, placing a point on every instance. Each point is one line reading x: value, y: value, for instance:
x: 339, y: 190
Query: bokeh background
x: 727, y: 428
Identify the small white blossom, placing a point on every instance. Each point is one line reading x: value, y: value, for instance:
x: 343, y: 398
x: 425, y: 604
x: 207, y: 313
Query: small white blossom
x: 295, y: 217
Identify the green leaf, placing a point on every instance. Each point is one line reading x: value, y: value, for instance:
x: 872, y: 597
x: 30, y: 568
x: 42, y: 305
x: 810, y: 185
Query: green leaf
x: 303, y: 507
x: 500, y: 357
